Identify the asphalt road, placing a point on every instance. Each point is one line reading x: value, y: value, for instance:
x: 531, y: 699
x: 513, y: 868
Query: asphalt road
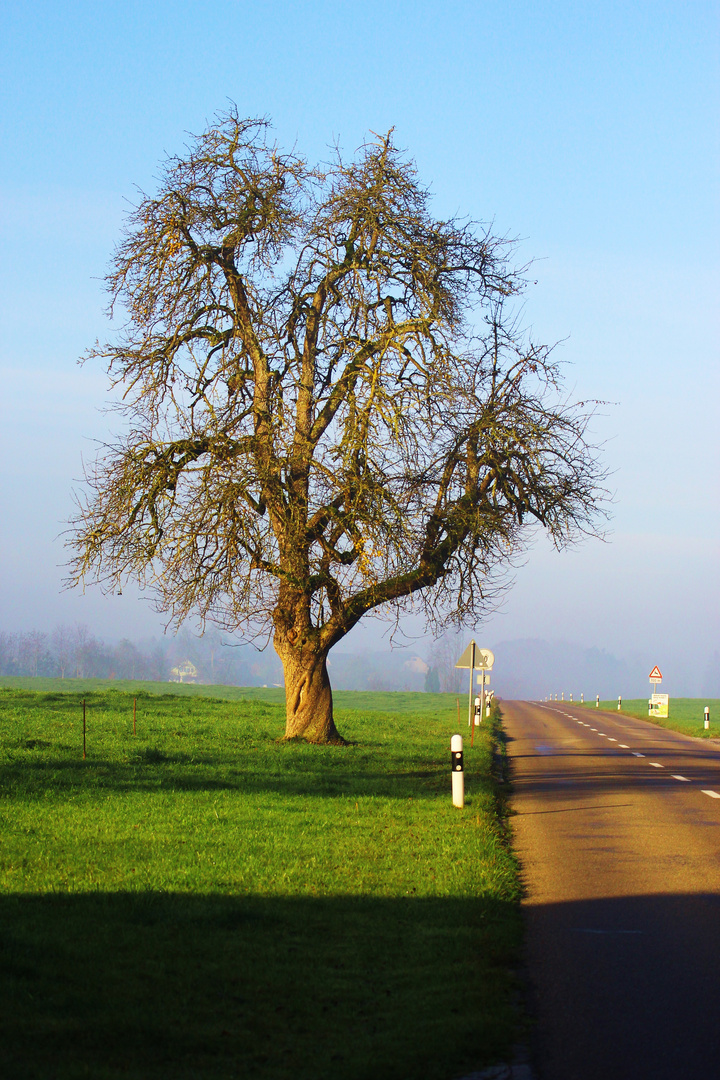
x: 617, y: 826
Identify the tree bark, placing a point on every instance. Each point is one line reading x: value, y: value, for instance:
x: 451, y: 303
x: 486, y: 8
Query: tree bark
x: 308, y: 695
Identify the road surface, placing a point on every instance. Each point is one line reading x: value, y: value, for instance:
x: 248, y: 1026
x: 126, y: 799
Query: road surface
x: 617, y: 826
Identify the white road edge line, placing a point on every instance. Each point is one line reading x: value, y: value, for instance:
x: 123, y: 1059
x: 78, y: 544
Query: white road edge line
x: 712, y: 794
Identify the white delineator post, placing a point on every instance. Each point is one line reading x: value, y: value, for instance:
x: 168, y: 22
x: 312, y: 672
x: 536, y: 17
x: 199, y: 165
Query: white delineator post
x: 619, y: 702
x: 707, y: 717
x: 458, y: 775
x: 597, y: 701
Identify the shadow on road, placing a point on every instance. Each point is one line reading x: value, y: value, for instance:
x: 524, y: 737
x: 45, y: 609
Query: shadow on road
x: 626, y: 987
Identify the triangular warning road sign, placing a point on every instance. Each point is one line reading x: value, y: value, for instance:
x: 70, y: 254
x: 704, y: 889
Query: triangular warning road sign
x: 484, y: 658
x: 656, y: 673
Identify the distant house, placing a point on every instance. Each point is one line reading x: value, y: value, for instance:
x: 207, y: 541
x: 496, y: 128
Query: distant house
x: 185, y: 672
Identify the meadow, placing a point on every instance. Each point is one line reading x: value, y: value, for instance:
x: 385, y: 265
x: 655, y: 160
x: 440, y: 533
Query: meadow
x: 685, y: 714
x: 201, y: 899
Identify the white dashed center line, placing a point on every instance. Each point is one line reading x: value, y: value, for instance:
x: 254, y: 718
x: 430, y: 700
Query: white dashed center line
x: 637, y: 754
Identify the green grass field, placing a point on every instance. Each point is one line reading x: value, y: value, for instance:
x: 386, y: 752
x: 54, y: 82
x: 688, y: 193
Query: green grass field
x: 364, y: 700
x: 686, y: 714
x: 202, y: 900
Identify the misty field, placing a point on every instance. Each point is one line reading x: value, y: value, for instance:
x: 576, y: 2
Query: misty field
x: 686, y: 714
x: 201, y: 899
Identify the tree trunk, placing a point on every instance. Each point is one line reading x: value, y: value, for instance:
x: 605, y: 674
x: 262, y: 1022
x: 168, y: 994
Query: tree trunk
x: 308, y: 696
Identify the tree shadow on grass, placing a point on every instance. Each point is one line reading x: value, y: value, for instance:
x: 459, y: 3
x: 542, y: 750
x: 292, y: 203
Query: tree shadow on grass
x: 153, y: 769
x: 156, y: 985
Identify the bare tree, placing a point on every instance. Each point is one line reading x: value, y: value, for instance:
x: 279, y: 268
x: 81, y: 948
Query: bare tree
x: 8, y: 653
x: 444, y: 653
x: 62, y: 643
x: 82, y: 642
x: 34, y: 653
x: 327, y: 409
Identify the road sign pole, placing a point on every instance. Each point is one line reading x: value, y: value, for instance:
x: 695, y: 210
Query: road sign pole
x: 470, y: 659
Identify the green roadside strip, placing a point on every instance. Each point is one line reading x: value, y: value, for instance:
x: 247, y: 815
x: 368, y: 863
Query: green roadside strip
x: 398, y: 701
x: 204, y: 900
x: 686, y: 714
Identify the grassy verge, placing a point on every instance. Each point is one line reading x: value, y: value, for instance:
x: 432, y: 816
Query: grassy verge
x: 201, y: 900
x: 357, y: 700
x: 686, y: 714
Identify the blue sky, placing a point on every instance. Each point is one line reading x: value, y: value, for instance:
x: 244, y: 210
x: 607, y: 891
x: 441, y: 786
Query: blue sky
x: 588, y: 131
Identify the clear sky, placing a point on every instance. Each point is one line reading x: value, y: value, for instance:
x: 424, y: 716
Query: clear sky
x: 587, y: 130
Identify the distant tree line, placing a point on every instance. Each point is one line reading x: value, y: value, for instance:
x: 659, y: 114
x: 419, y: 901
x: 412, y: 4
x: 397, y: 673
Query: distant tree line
x: 74, y: 652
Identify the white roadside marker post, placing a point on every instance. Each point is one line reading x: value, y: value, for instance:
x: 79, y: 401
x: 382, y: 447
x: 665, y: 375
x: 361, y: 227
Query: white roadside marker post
x: 619, y: 702
x: 458, y: 775
x: 597, y: 701
x: 582, y: 699
x: 478, y: 717
x: 707, y: 717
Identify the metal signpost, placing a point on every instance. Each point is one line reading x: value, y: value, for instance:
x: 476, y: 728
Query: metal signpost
x: 480, y: 660
x: 659, y: 704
